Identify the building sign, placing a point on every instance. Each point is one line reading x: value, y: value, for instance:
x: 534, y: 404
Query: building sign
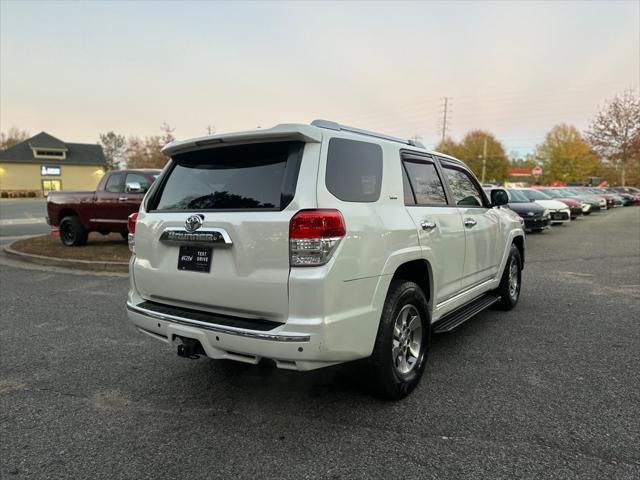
x: 50, y: 171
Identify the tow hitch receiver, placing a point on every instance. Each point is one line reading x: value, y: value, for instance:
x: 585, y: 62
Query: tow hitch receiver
x: 190, y: 348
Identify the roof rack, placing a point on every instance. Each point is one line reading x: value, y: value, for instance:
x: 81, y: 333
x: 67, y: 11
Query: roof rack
x: 338, y: 127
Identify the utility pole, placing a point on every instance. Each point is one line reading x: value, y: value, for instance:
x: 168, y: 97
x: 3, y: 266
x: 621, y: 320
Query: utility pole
x: 211, y: 130
x: 444, y: 118
x: 484, y: 160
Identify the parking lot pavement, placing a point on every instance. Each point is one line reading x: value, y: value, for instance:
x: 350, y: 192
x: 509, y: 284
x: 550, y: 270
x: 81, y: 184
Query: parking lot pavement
x: 21, y: 217
x: 549, y: 390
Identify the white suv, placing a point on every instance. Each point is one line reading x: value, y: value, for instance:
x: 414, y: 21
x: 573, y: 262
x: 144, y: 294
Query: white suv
x: 313, y: 245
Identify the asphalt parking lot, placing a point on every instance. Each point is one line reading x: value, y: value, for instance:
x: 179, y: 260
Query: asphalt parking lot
x: 22, y: 216
x: 549, y: 390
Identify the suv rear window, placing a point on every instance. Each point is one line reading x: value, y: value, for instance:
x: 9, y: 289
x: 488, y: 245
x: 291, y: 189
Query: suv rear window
x: 246, y: 177
x: 354, y: 170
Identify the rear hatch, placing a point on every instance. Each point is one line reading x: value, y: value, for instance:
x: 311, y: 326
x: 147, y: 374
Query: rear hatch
x: 215, y: 234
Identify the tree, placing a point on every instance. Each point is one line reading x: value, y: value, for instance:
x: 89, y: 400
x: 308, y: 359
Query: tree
x: 12, y: 137
x: 615, y: 130
x: 147, y: 153
x: 566, y: 156
x: 449, y: 147
x: 472, y: 149
x: 114, y: 147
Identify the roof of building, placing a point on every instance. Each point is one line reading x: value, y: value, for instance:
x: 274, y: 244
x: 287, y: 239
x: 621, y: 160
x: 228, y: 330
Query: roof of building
x: 75, y: 153
x: 44, y: 140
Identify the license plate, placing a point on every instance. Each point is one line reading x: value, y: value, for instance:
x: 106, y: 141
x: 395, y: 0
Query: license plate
x: 196, y: 259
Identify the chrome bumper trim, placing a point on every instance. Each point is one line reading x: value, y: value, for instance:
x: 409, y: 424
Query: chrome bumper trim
x: 217, y: 328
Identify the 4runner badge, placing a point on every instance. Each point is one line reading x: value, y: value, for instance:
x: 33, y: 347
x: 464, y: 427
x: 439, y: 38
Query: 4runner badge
x: 193, y: 223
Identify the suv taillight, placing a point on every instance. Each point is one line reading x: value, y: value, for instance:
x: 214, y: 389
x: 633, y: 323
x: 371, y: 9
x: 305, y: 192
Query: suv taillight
x: 313, y: 236
x: 131, y: 224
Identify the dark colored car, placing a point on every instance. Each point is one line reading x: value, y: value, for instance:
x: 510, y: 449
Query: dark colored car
x: 106, y: 210
x: 536, y: 218
x: 627, y: 198
x: 633, y: 191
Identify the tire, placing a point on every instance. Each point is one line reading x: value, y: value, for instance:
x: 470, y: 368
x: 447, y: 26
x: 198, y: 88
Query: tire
x: 72, y: 233
x: 395, y: 378
x: 509, y: 293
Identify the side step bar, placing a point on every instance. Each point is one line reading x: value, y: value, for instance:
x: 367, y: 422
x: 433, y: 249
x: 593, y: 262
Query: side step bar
x: 461, y: 314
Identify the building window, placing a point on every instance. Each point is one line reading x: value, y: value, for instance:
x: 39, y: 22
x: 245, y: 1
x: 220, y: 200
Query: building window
x: 42, y: 153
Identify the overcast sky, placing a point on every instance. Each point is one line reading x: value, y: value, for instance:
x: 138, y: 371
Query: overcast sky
x: 514, y: 68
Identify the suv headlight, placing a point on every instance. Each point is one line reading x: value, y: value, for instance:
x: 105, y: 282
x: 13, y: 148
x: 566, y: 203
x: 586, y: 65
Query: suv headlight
x: 545, y: 213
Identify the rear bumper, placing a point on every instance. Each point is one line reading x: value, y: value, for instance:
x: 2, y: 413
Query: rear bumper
x: 292, y: 345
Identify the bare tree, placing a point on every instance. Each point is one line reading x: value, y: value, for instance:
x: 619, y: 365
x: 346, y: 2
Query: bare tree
x: 614, y: 131
x: 114, y: 147
x: 12, y: 137
x: 147, y: 152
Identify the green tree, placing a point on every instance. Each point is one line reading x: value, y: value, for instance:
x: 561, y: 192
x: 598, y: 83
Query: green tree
x: 615, y: 130
x: 449, y: 147
x: 566, y: 156
x: 12, y: 137
x: 114, y: 147
x: 147, y: 152
x: 471, y: 151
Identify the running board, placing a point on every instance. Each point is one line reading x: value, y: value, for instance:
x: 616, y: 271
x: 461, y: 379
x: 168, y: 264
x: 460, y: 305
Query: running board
x: 461, y: 314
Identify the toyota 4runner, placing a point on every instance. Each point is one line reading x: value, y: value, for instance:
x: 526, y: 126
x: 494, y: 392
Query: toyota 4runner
x: 312, y: 245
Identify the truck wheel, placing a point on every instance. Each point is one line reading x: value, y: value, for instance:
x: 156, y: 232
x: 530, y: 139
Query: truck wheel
x: 509, y: 289
x: 72, y: 233
x: 401, y: 347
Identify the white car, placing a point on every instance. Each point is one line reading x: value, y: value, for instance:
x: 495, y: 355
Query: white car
x: 559, y: 211
x: 312, y: 245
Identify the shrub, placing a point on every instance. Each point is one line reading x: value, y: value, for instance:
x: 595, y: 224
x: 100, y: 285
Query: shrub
x: 4, y: 194
x: 31, y: 194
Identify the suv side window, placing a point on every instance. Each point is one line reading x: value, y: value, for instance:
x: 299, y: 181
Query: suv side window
x: 425, y: 183
x: 115, y: 183
x: 354, y: 170
x: 137, y: 178
x: 464, y: 190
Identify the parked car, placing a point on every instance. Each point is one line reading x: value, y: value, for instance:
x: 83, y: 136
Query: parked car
x: 576, y: 206
x: 612, y: 199
x: 560, y: 212
x: 106, y: 210
x: 627, y: 198
x: 633, y: 191
x: 597, y: 203
x: 536, y: 218
x: 312, y: 245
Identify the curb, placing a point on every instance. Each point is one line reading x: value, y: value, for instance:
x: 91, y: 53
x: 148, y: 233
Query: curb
x: 121, y: 267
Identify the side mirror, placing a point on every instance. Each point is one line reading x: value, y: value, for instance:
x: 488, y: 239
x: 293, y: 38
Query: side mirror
x: 134, y: 187
x: 499, y: 197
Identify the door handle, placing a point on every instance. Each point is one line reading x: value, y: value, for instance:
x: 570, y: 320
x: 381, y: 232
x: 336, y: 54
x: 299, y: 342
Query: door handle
x: 470, y: 222
x: 428, y: 226
x: 123, y: 199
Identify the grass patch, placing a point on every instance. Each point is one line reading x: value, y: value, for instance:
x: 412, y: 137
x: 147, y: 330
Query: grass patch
x: 99, y: 248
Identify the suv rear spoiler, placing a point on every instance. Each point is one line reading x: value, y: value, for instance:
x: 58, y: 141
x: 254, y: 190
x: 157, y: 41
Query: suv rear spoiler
x: 282, y: 132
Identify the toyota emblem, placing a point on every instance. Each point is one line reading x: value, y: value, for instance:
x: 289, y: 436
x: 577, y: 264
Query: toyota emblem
x: 193, y: 223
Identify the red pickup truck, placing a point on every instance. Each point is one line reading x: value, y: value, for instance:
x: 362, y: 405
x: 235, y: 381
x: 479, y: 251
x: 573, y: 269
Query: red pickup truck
x: 106, y: 210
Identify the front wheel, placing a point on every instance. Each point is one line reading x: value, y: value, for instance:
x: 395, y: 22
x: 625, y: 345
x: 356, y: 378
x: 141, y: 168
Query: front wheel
x: 401, y: 346
x: 72, y: 233
x: 509, y: 289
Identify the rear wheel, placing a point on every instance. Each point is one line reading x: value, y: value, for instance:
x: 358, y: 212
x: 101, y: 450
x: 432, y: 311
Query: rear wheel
x: 509, y: 289
x: 72, y: 233
x: 401, y: 347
